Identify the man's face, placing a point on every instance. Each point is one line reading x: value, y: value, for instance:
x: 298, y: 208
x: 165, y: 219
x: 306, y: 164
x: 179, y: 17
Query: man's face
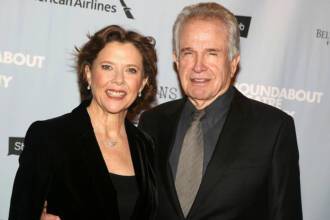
x: 205, y: 70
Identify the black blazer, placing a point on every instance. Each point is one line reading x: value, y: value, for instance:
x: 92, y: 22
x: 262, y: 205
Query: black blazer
x: 62, y: 163
x: 253, y: 173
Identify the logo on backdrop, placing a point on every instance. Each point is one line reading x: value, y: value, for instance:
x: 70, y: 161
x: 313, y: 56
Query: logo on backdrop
x: 21, y: 59
x: 244, y: 25
x: 93, y: 5
x: 5, y: 80
x: 274, y: 96
x: 127, y: 10
x: 16, y: 145
x: 323, y: 35
x: 18, y: 59
x: 167, y: 93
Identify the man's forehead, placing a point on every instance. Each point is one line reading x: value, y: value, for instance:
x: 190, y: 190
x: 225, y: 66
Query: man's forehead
x: 202, y: 42
x: 202, y: 29
x: 207, y: 49
x: 214, y: 21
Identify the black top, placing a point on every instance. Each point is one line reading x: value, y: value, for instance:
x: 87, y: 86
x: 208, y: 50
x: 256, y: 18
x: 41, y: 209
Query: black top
x: 127, y: 194
x: 212, y: 123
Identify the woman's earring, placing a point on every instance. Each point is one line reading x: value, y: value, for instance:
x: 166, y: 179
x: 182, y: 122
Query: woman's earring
x: 88, y: 87
x: 140, y: 94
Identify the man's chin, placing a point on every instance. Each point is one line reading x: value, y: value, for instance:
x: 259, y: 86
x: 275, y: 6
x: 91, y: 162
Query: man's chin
x: 199, y: 96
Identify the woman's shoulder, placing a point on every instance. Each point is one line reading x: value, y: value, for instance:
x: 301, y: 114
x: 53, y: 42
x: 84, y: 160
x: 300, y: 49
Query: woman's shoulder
x: 51, y: 136
x: 66, y: 123
x: 53, y: 125
x: 41, y: 134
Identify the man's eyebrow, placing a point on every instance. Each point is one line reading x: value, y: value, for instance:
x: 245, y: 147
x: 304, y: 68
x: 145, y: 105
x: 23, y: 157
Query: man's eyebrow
x: 186, y: 49
x: 213, y: 50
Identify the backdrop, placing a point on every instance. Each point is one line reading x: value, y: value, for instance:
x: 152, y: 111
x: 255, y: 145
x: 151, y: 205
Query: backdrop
x: 284, y: 62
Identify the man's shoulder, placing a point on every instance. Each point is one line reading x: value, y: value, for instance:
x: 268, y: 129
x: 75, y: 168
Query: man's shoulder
x: 262, y: 110
x: 166, y: 108
x: 161, y: 114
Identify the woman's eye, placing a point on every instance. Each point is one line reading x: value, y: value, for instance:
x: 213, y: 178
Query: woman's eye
x: 106, y: 67
x: 132, y: 70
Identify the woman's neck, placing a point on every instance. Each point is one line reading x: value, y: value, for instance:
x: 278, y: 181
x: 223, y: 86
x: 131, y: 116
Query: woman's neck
x: 106, y: 124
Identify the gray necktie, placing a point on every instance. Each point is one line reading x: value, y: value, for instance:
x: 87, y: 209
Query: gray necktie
x: 190, y: 166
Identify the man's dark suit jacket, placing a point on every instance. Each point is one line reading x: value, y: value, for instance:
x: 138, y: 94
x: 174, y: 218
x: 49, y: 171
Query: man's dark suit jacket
x: 62, y: 163
x: 253, y: 173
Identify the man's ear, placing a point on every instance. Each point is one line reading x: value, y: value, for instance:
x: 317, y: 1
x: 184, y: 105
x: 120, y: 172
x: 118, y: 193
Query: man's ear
x: 234, y: 64
x: 175, y: 60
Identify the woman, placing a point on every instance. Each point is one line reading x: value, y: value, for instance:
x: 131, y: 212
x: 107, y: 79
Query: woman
x: 93, y: 163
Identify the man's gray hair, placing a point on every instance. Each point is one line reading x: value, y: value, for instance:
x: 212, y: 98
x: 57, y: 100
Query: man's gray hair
x: 210, y: 10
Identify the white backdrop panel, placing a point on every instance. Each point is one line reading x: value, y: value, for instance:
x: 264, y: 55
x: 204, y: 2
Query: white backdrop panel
x: 284, y: 62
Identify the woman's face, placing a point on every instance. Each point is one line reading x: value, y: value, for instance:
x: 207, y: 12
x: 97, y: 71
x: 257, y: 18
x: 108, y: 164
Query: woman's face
x: 116, y: 77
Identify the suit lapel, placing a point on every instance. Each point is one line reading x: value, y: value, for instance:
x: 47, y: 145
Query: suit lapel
x: 93, y: 162
x: 224, y: 151
x: 136, y: 146
x: 135, y: 150
x: 166, y: 142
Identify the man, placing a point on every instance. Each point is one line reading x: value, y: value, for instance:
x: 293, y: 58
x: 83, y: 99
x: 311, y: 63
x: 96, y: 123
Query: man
x: 219, y: 154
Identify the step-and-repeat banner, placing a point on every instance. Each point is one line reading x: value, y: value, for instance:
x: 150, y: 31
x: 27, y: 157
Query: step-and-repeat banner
x: 285, y: 62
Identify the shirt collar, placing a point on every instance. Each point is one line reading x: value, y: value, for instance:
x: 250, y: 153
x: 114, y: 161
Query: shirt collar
x: 216, y: 109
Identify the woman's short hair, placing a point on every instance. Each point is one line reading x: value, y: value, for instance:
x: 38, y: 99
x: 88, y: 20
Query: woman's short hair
x: 114, y: 33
